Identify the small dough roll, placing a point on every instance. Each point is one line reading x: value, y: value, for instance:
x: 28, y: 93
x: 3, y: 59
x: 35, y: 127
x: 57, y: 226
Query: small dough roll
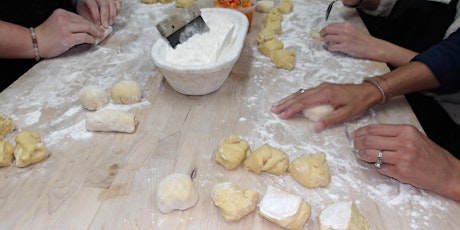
x: 264, y: 6
x: 267, y: 159
x: 111, y: 121
x: 342, y: 216
x: 93, y: 97
x: 29, y: 148
x: 176, y: 192
x: 284, y: 58
x: 284, y: 209
x: 232, y: 151
x: 311, y: 170
x: 126, y: 92
x: 233, y: 201
x: 6, y: 125
x: 314, y: 113
x: 6, y: 153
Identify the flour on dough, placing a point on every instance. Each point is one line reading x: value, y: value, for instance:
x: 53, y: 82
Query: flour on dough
x: 110, y: 120
x: 126, y: 92
x: 311, y: 170
x: 176, y: 192
x: 314, y: 113
x: 233, y: 201
x: 232, y: 151
x: 267, y: 159
x: 29, y: 148
x: 93, y: 97
x: 342, y: 216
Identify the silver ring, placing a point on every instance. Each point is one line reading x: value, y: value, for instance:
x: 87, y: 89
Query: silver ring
x: 379, y: 162
x: 301, y: 90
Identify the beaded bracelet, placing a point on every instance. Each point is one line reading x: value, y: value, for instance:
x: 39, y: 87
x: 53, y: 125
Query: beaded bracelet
x: 354, y: 5
x: 379, y: 87
x: 35, y: 44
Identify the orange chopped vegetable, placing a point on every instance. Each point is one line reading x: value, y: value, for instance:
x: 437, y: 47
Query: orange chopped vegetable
x: 233, y: 3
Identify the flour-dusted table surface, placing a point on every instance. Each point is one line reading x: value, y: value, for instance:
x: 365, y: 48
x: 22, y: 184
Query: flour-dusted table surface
x: 108, y: 180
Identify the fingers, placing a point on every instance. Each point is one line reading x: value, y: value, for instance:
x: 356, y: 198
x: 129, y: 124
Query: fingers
x: 296, y: 102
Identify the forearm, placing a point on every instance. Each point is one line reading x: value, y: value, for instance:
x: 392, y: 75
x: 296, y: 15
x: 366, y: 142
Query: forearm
x: 15, y: 41
x: 390, y: 53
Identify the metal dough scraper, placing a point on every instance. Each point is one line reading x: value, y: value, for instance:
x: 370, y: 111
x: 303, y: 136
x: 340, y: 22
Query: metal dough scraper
x: 180, y: 27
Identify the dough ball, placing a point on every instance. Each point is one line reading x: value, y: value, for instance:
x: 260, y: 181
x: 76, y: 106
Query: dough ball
x: 176, y: 192
x: 93, y: 97
x: 314, y: 113
x: 285, y: 6
x: 264, y: 6
x: 108, y: 31
x: 269, y: 46
x: 6, y: 125
x: 342, y: 216
x: 315, y: 35
x: 29, y: 148
x: 183, y: 3
x: 149, y: 1
x: 109, y: 120
x: 265, y: 34
x: 126, y: 92
x: 6, y: 153
x: 267, y: 159
x: 311, y: 170
x: 232, y: 151
x: 284, y: 58
x: 284, y: 209
x: 233, y: 201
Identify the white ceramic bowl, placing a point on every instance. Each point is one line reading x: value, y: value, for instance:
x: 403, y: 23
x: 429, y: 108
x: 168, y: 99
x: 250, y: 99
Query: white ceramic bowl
x: 203, y: 79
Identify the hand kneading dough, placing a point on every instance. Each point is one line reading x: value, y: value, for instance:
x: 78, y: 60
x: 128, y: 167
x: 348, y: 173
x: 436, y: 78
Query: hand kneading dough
x: 311, y: 170
x: 29, y: 149
x: 93, y: 97
x: 267, y: 159
x: 6, y: 153
x: 342, y: 216
x: 233, y: 201
x: 107, y: 32
x: 6, y: 125
x: 264, y: 6
x: 176, y: 192
x: 316, y: 112
x: 284, y: 58
x: 232, y: 151
x: 126, y: 92
x: 285, y: 209
x: 111, y: 121
x: 285, y: 6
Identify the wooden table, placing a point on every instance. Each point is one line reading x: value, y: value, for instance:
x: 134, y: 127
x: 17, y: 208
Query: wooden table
x: 108, y: 180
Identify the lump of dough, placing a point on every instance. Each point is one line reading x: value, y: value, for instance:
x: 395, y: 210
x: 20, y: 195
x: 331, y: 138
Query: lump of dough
x: 183, y: 3
x: 274, y: 26
x: 265, y: 34
x: 233, y: 201
x: 149, y: 1
x: 267, y: 159
x: 93, y: 97
x: 232, y: 151
x: 6, y: 125
x: 126, y: 92
x: 283, y: 58
x: 273, y: 15
x: 269, y: 46
x: 176, y: 192
x: 311, y: 170
x: 264, y: 6
x: 6, y: 153
x: 108, y: 31
x: 285, y: 6
x: 315, y: 35
x: 314, y: 113
x: 29, y: 148
x: 342, y: 216
x: 109, y: 120
x: 284, y: 209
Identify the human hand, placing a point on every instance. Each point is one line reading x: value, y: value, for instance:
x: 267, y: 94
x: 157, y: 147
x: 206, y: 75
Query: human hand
x: 348, y: 100
x: 101, y: 12
x: 410, y: 157
x: 63, y: 30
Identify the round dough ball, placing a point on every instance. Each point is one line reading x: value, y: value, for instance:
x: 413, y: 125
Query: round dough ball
x: 314, y: 113
x: 267, y: 159
x: 342, y: 215
x: 311, y: 170
x: 126, y: 92
x: 232, y: 151
x: 93, y: 97
x: 176, y: 191
x: 233, y: 201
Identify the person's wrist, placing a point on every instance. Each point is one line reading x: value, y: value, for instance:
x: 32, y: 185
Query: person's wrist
x: 374, y: 91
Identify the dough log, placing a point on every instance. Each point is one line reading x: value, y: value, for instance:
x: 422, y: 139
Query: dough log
x: 111, y: 121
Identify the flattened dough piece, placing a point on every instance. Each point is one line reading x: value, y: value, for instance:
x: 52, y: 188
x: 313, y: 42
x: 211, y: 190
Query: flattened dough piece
x: 126, y: 92
x: 284, y: 58
x: 29, y: 148
x: 6, y: 153
x: 311, y: 170
x: 267, y: 159
x: 314, y: 113
x: 176, y: 192
x: 284, y: 209
x: 342, y: 216
x: 6, y: 125
x: 233, y: 201
x: 93, y: 97
x: 232, y: 151
x: 109, y: 120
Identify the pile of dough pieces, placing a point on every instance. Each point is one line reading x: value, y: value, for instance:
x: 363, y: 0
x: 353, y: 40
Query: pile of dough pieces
x: 278, y: 206
x: 179, y: 3
x: 269, y: 44
x: 94, y: 98
x: 28, y: 150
